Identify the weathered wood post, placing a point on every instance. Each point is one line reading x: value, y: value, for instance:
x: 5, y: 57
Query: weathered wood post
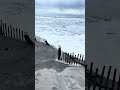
x: 113, y: 81
x: 90, y: 75
x: 70, y: 59
x: 1, y: 28
x: 22, y: 36
x: 59, y: 52
x: 67, y: 57
x: 1, y: 32
x: 96, y: 73
x: 101, y: 78
x: 19, y: 35
x: 8, y: 32
x: 16, y: 33
x: 108, y: 75
x: 78, y: 56
x: 5, y: 29
x: 11, y: 31
x: 63, y: 57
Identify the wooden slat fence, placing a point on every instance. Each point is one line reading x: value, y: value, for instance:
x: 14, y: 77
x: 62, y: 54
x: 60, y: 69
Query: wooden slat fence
x: 70, y: 57
x: 94, y: 80
x: 10, y: 31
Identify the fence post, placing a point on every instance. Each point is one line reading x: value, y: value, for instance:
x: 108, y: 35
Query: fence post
x: 113, y: 81
x: 22, y: 35
x: 78, y: 56
x: 108, y: 75
x: 75, y: 59
x: 59, y: 52
x: 19, y: 35
x: 68, y: 58
x: 16, y: 33
x: 90, y: 74
x: 1, y: 31
x: 101, y: 78
x: 8, y: 32
x: 94, y: 87
x: 82, y: 59
x: 5, y: 29
x: 63, y: 57
x: 11, y: 30
x: 79, y: 61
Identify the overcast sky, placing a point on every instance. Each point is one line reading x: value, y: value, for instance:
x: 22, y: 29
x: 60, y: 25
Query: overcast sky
x: 53, y: 7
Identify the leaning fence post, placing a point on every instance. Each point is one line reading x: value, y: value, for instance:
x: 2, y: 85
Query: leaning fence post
x: 1, y: 31
x: 63, y: 56
x: 73, y: 54
x: 59, y: 52
x: 101, y: 78
x: 75, y: 59
x: 82, y: 59
x: 8, y: 32
x: 11, y: 30
x: 80, y: 56
x: 94, y: 87
x: 5, y: 29
x: 108, y: 75
x: 19, y: 35
x: 90, y: 75
x: 113, y: 81
x: 79, y: 61
x: 22, y: 35
x: 68, y: 58
x: 16, y: 33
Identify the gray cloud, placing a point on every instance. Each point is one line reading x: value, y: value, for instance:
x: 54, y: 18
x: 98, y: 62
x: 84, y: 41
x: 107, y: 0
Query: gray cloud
x: 66, y: 4
x: 60, y: 6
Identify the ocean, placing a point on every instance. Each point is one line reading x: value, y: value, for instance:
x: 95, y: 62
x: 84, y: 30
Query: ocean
x: 68, y: 32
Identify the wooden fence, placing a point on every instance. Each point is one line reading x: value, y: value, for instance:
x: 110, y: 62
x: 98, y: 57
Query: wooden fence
x: 93, y: 80
x: 10, y: 31
x: 70, y: 58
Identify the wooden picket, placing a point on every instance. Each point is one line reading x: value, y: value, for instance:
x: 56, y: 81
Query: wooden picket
x: 97, y: 81
x: 10, y: 31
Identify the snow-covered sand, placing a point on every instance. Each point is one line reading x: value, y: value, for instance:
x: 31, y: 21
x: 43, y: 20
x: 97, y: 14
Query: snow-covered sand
x: 52, y: 74
x: 72, y: 78
x: 68, y: 32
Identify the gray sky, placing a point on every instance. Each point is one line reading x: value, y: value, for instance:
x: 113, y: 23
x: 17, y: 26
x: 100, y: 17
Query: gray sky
x: 53, y: 7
